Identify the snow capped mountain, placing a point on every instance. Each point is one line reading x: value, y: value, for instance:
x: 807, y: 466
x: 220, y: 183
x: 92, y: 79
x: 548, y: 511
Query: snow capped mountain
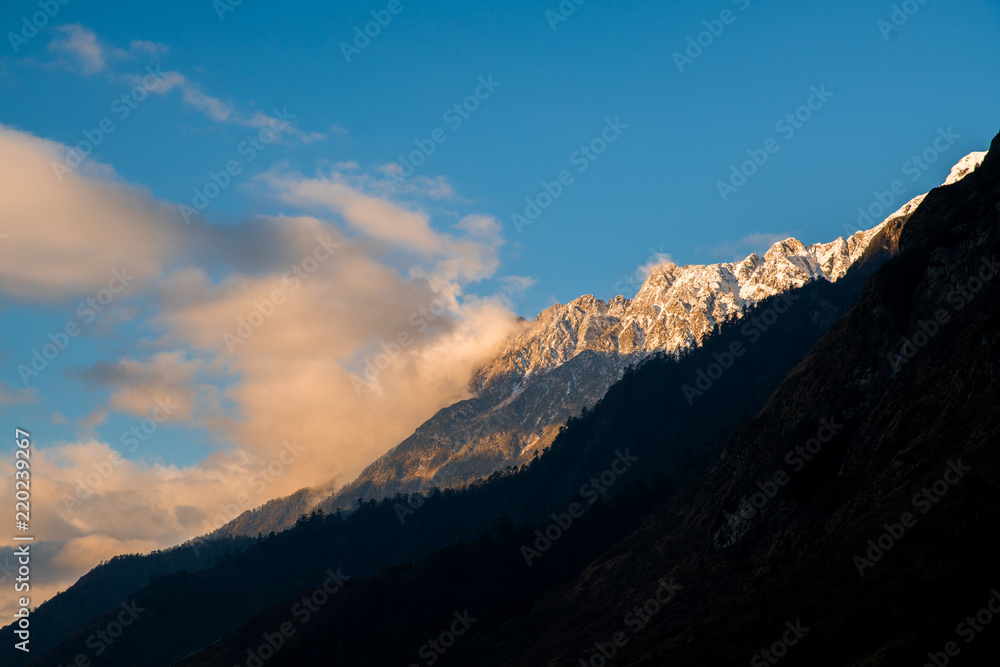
x: 567, y: 358
x: 961, y: 169
x: 964, y: 166
x: 675, y: 308
x: 570, y: 355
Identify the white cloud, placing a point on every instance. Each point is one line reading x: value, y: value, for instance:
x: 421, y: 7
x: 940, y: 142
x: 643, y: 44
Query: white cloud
x: 86, y: 52
x: 657, y: 258
x: 300, y: 363
x: 192, y: 95
x: 322, y: 298
x: 10, y: 397
x: 67, y: 237
x: 167, y: 380
x: 96, y: 418
x: 430, y: 187
x: 58, y: 418
x: 99, y: 505
x: 516, y: 286
x: 149, y: 48
x: 376, y: 217
x: 220, y: 111
x: 81, y: 44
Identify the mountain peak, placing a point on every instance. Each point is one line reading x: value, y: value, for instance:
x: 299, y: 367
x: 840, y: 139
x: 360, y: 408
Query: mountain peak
x: 964, y: 166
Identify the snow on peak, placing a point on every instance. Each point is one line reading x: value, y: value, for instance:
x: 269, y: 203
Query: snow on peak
x: 965, y: 166
x: 678, y: 306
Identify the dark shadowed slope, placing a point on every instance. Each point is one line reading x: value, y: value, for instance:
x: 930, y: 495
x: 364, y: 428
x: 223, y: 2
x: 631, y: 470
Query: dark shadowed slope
x: 884, y: 431
x: 646, y: 412
x: 907, y: 425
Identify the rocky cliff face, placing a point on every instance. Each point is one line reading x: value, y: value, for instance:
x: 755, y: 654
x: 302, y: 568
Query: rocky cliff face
x: 568, y: 357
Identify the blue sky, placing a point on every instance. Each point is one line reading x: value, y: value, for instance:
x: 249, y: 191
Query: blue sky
x: 667, y: 133
x: 654, y: 188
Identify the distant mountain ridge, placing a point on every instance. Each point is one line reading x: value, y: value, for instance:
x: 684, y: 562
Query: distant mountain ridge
x: 568, y: 357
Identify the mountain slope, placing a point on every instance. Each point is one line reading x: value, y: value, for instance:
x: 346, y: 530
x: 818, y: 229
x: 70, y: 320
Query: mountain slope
x: 746, y: 555
x: 675, y: 441
x: 672, y: 435
x: 538, y: 378
x: 567, y: 359
x: 917, y: 422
